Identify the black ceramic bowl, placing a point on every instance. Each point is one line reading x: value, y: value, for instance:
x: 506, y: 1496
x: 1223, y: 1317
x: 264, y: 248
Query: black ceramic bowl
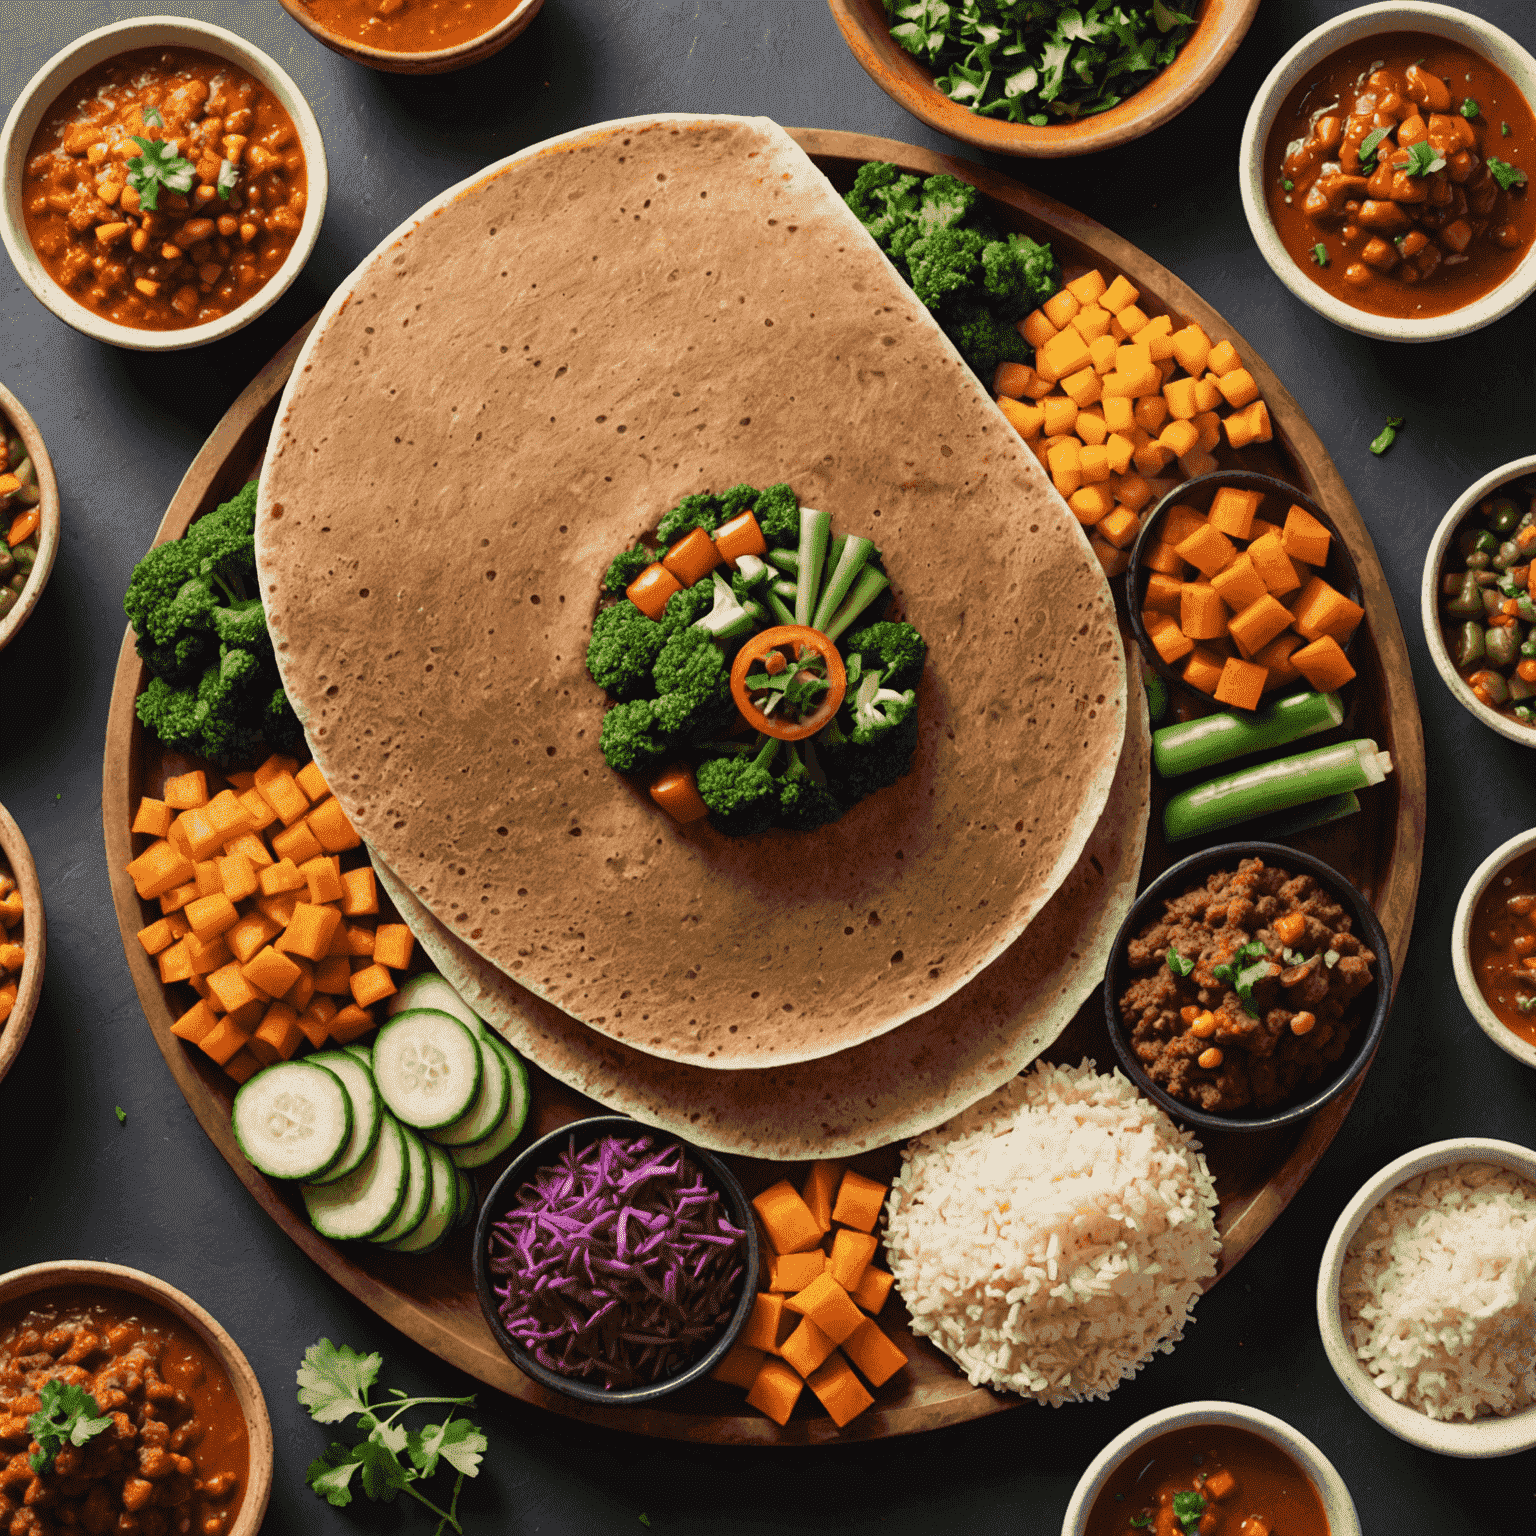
x: 1369, y: 1009
x: 1340, y: 571
x: 543, y: 1153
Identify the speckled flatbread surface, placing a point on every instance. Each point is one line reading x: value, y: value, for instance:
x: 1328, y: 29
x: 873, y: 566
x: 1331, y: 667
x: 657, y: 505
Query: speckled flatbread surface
x: 900, y: 1084
x: 511, y: 389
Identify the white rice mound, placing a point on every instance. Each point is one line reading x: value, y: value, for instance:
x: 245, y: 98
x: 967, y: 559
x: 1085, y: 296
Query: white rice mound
x: 1438, y: 1292
x: 1053, y: 1237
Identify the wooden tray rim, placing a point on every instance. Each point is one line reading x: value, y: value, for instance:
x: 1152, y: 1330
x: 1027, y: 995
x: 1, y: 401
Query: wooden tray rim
x: 478, y: 1355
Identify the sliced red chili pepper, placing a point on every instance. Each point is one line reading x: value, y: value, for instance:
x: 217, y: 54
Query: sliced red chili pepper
x: 796, y: 638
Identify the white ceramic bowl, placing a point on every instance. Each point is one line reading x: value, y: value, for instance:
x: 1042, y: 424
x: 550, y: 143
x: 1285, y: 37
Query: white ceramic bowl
x: 1483, y: 1437
x: 49, y: 529
x: 44, y: 88
x: 1429, y: 599
x: 1337, y: 1504
x: 1461, y: 949
x: 1472, y: 32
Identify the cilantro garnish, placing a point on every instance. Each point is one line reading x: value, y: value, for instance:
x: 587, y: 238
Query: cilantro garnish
x: 1368, y: 147
x: 1505, y: 174
x: 158, y: 166
x: 1287, y: 184
x: 152, y: 118
x: 1387, y: 436
x: 1178, y: 964
x: 228, y: 176
x: 1141, y: 1522
x: 1242, y: 978
x: 1469, y: 108
x: 122, y: 1114
x: 1423, y: 158
x: 1504, y: 129
x: 69, y: 1416
x: 1320, y: 254
x: 1187, y: 1509
x: 334, y: 1382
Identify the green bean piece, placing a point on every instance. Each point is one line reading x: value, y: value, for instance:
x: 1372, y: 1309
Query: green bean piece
x: 1468, y: 601
x: 1501, y: 646
x: 1485, y: 543
x: 1478, y: 560
x: 1503, y: 515
x: 1469, y: 645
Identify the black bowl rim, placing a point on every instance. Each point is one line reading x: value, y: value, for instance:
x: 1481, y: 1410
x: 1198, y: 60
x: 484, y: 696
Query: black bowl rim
x: 1202, y: 863
x: 517, y: 1171
x: 1242, y: 480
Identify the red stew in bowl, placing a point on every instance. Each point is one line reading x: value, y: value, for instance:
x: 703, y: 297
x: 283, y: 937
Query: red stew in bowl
x: 1503, y: 944
x: 409, y: 26
x: 1396, y: 175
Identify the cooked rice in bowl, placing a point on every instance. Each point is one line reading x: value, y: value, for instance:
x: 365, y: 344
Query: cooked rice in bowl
x: 1055, y: 1236
x: 1439, y: 1292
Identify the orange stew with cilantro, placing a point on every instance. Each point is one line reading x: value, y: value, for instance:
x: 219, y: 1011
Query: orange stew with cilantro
x: 1503, y: 942
x: 1209, y: 1480
x: 164, y: 188
x: 1396, y: 175
x: 409, y: 26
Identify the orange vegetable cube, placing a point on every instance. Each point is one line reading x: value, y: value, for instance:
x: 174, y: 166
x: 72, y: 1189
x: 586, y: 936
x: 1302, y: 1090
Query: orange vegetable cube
x: 1036, y: 329
x: 258, y: 809
x: 270, y: 972
x: 1305, y: 538
x: 372, y: 985
x: 315, y: 1019
x: 1090, y: 427
x: 231, y: 988
x: 1130, y: 319
x: 359, y: 939
x: 1180, y: 396
x: 873, y: 1289
x: 1163, y: 593
x: 829, y: 1306
x: 360, y: 894
x: 237, y: 876
x: 206, y: 955
x: 223, y: 1040
x: 312, y: 782
x: 1135, y: 493
x: 206, y: 877
x: 1119, y: 415
x: 282, y: 876
x: 1157, y: 337
x: 1060, y: 415
x: 1091, y: 504
x: 1115, y: 562
x: 1223, y: 358
x: 1118, y: 296
x: 153, y: 817
x: 839, y: 1391
x: 251, y: 847
x: 1208, y: 396
x: 1240, y: 585
x: 786, y: 1218
x: 1232, y: 511
x: 1273, y: 564
x: 1238, y: 388
x: 820, y: 1190
x: 227, y: 817
x: 740, y: 536
x: 806, y: 1347
x: 275, y: 765
x: 279, y: 908
x: 1101, y: 354
x: 157, y: 936
x: 299, y: 994
x: 329, y: 824
x: 1249, y: 426
x: 333, y: 975
x: 1322, y: 610
x: 160, y: 868
x: 1168, y: 640
x: 874, y: 1353
x: 1191, y: 347
x: 297, y: 842
x: 1150, y: 413
x: 392, y: 945
x: 851, y: 1253
x: 324, y: 883
x: 175, y: 962
x: 1241, y: 684
x: 776, y: 1391
x: 350, y: 1023
x: 1065, y: 462
x: 1093, y: 465
x: 858, y: 1202
x: 1084, y: 386
x: 175, y: 901
x: 1121, y: 453
x: 763, y: 1322
x: 1179, y: 438
x: 279, y: 1029
x: 1203, y: 669
x: 651, y: 590
x: 1323, y: 664
x: 1011, y: 380
x: 1202, y: 614
x: 1150, y: 458
x: 196, y: 1023
x: 692, y: 558
x: 1120, y: 528
x: 210, y: 916
x: 283, y: 794
x: 740, y: 1366
x: 793, y: 1272
x: 1208, y: 550
x: 1026, y: 420
x: 1275, y: 658
x: 251, y: 934
x: 1064, y: 353
x: 310, y: 931
x: 1061, y: 307
x: 1258, y: 624
x: 1088, y: 288
x: 187, y: 790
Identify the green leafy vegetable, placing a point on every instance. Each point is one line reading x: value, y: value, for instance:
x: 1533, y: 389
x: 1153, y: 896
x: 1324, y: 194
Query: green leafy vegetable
x: 1507, y: 175
x: 1469, y: 108
x: 158, y: 165
x: 1178, y: 964
x: 1368, y: 147
x: 122, y: 1115
x: 69, y: 1416
x: 228, y: 176
x: 1140, y: 1522
x: 1288, y: 184
x: 1320, y: 254
x: 1187, y: 1509
x: 1387, y: 436
x: 334, y: 1383
x: 152, y: 118
x: 1241, y: 978
x: 1423, y: 158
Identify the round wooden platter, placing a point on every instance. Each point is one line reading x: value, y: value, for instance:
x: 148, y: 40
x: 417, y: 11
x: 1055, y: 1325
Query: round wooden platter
x: 432, y: 1299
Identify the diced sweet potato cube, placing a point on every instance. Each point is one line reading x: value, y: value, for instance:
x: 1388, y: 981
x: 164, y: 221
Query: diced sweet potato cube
x: 1065, y: 463
x: 1203, y: 669
x: 1202, y: 614
x: 787, y: 1219
x: 392, y: 945
x: 806, y: 1348
x: 237, y: 876
x: 372, y: 985
x: 1320, y: 609
x: 1258, y: 624
x: 839, y: 1391
x: 1180, y: 395
x: 793, y: 1272
x: 740, y: 1366
x: 1179, y: 438
x: 1119, y: 528
x: 1241, y: 684
x: 157, y: 936
x: 252, y: 847
x: 859, y: 1201
x: 153, y: 818
x: 829, y: 1306
x: 160, y: 868
x: 187, y: 790
x: 1273, y: 564
x: 270, y: 972
x: 1163, y: 594
x: 1223, y: 358
x: 174, y: 962
x: 223, y: 1040
x: 1010, y: 380
x: 1093, y: 464
x: 820, y: 1190
x: 196, y: 1023
x: 283, y: 794
x: 350, y: 1024
x: 1157, y: 337
x: 1120, y: 451
x: 1114, y: 562
x: 1305, y: 538
x: 1036, y: 329
x: 310, y: 931
x: 212, y: 915
x: 227, y: 816
x: 1208, y: 395
x: 1323, y: 664
x: 360, y: 896
x: 1239, y: 585
x: 851, y: 1253
x: 1083, y: 387
x: 762, y: 1325
x: 874, y: 1288
x: 207, y: 955
x: 302, y: 991
x: 874, y: 1353
x: 1150, y: 413
x: 279, y: 908
x: 1064, y: 353
x: 1131, y: 319
x: 279, y: 1029
x: 250, y: 935
x: 1089, y: 288
x: 1233, y: 511
x: 1249, y: 426
x: 176, y: 900
x: 1239, y: 388
x: 315, y: 1019
x: 324, y: 883
x: 297, y: 842
x: 1275, y: 658
x: 1101, y: 354
x: 329, y: 824
x: 776, y: 1391
x: 1168, y: 640
x: 312, y: 782
x: 1060, y: 307
x: 1118, y: 296
x: 283, y: 876
x: 207, y: 878
x: 1026, y: 420
x: 232, y: 989
x: 1191, y: 347
x: 333, y: 975
x: 258, y: 808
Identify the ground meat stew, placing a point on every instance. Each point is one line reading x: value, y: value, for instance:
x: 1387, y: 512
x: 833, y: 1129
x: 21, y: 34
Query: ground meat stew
x: 1262, y: 1009
x: 183, y: 231
x: 175, y: 1458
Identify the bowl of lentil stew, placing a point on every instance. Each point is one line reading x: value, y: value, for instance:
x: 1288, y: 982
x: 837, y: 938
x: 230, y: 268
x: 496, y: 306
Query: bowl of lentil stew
x: 1493, y: 946
x: 124, y: 236
x: 23, y: 926
x: 29, y: 514
x: 414, y: 37
x: 1291, y: 1065
x: 189, y: 1441
x: 1479, y: 511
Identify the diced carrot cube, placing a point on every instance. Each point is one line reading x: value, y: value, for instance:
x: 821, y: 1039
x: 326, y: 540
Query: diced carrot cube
x: 1084, y: 386
x: 270, y: 972
x: 693, y: 557
x: 285, y: 797
x: 1011, y: 380
x: 873, y: 1290
x: 740, y: 536
x: 197, y: 1022
x: 1275, y: 658
x: 223, y: 1041
x: 372, y: 985
x: 212, y: 915
x: 1089, y: 288
x: 794, y: 1271
x: 651, y: 590
x: 1239, y: 388
x: 1305, y: 538
x: 1118, y: 296
x: 324, y: 883
x: 227, y: 817
x: 153, y: 817
x: 1168, y: 640
x: 279, y: 908
x: 1208, y: 550
x: 275, y: 766
x: 1026, y: 420
x: 1179, y: 438
x: 776, y: 1391
x: 157, y: 936
x: 1060, y: 307
x: 282, y: 876
x: 187, y: 790
x: 1323, y: 664
x: 312, y: 782
x: 806, y: 1348
x: 1191, y: 347
x: 1223, y: 358
x: 350, y: 1023
x: 392, y: 945
x: 160, y: 868
x: 1036, y: 329
x: 315, y: 1019
x: 786, y: 1218
x: 874, y: 1353
x: 1257, y: 624
x: 252, y: 933
x: 329, y: 824
x: 1273, y: 564
x: 1241, y: 684
x: 859, y: 1200
x: 761, y: 1330
x: 175, y: 901
x: 298, y: 842
x: 279, y: 1029
x: 1120, y: 528
x: 839, y: 1391
x: 310, y: 931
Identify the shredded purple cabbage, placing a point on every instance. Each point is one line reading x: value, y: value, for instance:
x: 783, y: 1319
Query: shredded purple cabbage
x: 618, y: 1264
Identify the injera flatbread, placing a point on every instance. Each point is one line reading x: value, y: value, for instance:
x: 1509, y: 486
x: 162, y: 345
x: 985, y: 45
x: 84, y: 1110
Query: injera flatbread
x: 507, y: 392
x: 902, y: 1083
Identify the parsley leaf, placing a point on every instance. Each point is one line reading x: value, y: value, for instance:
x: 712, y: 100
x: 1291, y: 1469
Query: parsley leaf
x: 1187, y: 1509
x: 457, y: 1442
x: 158, y: 166
x: 331, y: 1475
x: 69, y: 1416
x: 334, y: 1382
x: 1387, y: 436
x: 1287, y: 184
x: 1368, y: 146
x: 1320, y: 254
x: 1178, y: 964
x: 121, y: 1113
x: 1423, y: 158
x: 228, y: 176
x: 1505, y: 174
x: 1141, y: 1521
x: 1469, y: 108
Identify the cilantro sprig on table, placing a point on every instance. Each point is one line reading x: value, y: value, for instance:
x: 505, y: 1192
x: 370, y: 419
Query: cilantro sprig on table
x: 158, y: 165
x: 334, y: 1383
x: 69, y: 1416
x: 1041, y: 61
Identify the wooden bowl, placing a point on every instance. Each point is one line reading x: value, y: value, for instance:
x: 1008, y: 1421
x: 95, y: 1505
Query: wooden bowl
x: 48, y: 531
x: 34, y: 930
x: 1221, y: 26
x: 438, y: 62
x: 37, y: 1278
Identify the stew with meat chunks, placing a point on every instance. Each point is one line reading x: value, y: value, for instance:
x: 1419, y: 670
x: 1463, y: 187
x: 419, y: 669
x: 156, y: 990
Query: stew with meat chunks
x: 1396, y: 175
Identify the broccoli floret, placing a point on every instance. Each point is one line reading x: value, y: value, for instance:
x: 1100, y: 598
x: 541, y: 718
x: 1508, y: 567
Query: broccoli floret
x: 280, y: 726
x: 154, y: 587
x: 624, y: 567
x: 740, y: 792
x: 685, y: 607
x: 1019, y: 273
x: 884, y: 200
x: 896, y: 651
x: 693, y: 683
x: 946, y: 263
x: 632, y: 738
x: 181, y: 660
x: 225, y: 541
x: 982, y: 338
x: 740, y: 498
x: 171, y: 713
x: 698, y: 511
x: 805, y: 804
x: 213, y: 718
x: 946, y: 202
x: 859, y: 768
x: 243, y: 624
x: 778, y: 515
x: 623, y: 649
x: 877, y: 709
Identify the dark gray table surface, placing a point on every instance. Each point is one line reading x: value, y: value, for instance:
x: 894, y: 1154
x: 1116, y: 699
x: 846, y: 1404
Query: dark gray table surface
x: 122, y: 427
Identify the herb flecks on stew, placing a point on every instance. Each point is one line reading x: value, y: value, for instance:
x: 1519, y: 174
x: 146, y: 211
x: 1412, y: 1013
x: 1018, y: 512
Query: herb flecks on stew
x: 1388, y: 182
x: 164, y: 188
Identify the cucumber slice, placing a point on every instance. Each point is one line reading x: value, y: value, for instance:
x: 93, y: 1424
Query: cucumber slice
x: 490, y: 1106
x: 485, y: 1151
x: 468, y: 1205
x: 430, y: 990
x: 369, y: 1198
x: 418, y: 1191
x: 427, y: 1066
x: 294, y: 1120
x: 367, y: 1110
x: 364, y: 1053
x: 442, y: 1209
